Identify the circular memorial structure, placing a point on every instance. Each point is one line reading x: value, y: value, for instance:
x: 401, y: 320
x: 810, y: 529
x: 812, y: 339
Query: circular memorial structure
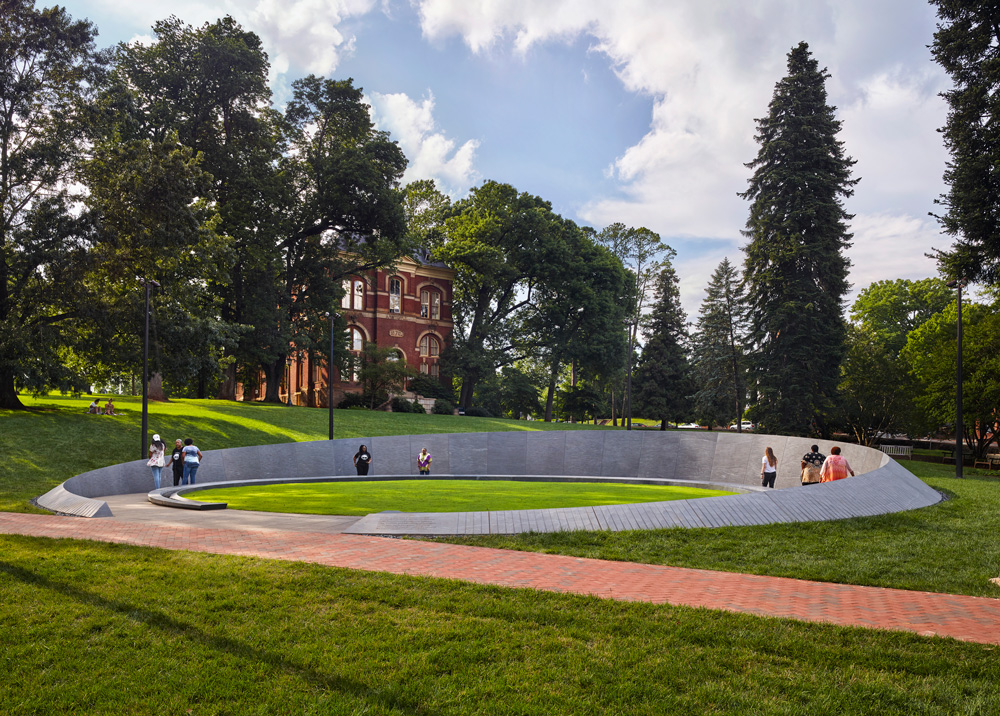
x: 701, y: 458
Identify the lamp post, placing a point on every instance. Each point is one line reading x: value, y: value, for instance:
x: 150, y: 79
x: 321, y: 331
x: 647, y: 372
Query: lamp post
x: 959, y: 283
x: 288, y: 381
x: 628, y: 380
x: 329, y: 373
x: 146, y: 283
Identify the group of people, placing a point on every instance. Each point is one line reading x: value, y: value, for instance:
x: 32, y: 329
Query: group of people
x: 185, y: 460
x: 363, y: 461
x: 108, y: 409
x: 816, y: 467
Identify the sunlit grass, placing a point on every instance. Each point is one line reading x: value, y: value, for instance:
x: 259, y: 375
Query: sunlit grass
x: 90, y: 628
x: 362, y: 498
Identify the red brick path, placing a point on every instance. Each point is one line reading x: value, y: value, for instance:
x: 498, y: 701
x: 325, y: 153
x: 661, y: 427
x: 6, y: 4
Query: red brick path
x: 967, y: 618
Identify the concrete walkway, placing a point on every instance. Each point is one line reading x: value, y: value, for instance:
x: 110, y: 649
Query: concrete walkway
x: 319, y: 540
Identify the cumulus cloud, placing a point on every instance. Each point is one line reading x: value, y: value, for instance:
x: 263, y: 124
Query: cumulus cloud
x: 710, y: 67
x: 306, y: 35
x: 432, y: 155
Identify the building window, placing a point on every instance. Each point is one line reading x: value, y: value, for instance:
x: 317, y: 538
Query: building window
x: 423, y: 368
x: 354, y: 295
x: 395, y: 295
x: 434, y: 370
x: 359, y: 295
x: 357, y: 339
x: 430, y: 304
x: 429, y: 346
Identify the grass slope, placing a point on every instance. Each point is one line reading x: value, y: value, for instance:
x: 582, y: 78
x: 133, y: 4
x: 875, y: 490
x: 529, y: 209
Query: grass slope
x: 362, y: 498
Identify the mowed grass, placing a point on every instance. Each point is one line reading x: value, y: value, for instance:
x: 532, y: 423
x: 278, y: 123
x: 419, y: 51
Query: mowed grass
x: 950, y: 547
x: 96, y: 628
x: 56, y: 439
x: 362, y: 498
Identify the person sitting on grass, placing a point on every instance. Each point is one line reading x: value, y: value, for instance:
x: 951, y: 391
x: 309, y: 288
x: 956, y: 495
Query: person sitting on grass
x: 95, y: 407
x: 109, y: 409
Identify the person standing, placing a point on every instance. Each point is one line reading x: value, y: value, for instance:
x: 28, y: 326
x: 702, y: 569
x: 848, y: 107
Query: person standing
x: 768, y: 468
x: 811, y: 464
x: 155, y: 463
x: 424, y: 462
x: 835, y: 467
x: 362, y: 460
x: 177, y: 461
x: 192, y: 461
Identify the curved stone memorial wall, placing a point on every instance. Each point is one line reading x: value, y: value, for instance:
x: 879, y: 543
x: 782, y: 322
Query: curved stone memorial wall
x: 719, y: 458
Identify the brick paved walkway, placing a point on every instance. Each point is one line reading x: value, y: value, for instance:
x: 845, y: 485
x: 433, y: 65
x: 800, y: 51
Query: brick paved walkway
x: 967, y: 618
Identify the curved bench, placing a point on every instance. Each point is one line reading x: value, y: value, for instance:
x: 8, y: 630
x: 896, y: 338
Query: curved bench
x: 729, y: 459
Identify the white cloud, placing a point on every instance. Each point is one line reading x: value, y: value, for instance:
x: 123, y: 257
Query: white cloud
x: 710, y: 67
x: 432, y: 155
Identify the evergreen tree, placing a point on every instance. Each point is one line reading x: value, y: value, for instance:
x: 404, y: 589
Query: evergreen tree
x: 662, y: 385
x: 718, y: 363
x: 965, y: 45
x: 795, y: 269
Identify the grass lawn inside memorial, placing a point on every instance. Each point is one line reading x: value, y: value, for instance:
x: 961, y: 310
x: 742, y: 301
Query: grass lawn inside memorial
x: 363, y: 498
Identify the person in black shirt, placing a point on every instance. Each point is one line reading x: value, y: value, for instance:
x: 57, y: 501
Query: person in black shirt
x: 177, y: 461
x: 362, y: 460
x: 811, y: 463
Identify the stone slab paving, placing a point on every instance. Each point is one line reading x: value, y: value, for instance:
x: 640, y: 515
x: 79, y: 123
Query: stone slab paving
x: 975, y: 619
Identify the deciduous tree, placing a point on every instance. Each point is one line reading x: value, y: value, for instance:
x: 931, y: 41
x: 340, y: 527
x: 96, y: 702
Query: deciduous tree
x: 48, y: 69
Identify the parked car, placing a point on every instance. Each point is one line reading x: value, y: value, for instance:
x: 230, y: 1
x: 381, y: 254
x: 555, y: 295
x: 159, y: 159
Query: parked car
x: 747, y: 426
x: 689, y: 426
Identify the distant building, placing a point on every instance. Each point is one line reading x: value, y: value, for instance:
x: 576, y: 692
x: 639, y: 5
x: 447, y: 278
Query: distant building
x: 408, y: 309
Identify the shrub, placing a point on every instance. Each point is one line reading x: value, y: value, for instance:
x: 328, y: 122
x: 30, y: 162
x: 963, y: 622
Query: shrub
x: 443, y: 407
x: 431, y: 388
x: 478, y: 412
x: 402, y: 405
x: 353, y: 400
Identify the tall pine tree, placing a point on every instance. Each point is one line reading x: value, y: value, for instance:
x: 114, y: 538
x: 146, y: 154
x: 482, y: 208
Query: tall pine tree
x: 718, y: 362
x: 795, y: 268
x: 966, y: 46
x: 662, y: 385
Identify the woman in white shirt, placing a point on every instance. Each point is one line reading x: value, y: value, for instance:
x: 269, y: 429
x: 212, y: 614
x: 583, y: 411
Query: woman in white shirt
x: 768, y: 468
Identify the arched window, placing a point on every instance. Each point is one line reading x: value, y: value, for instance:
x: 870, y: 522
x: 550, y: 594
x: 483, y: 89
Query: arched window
x: 430, y: 346
x: 355, y: 345
x: 357, y: 339
x: 430, y: 304
x: 395, y: 295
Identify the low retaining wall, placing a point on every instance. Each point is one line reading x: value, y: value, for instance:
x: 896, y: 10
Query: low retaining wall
x: 717, y: 457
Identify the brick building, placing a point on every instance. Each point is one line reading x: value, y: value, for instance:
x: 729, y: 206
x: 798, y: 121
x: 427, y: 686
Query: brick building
x: 408, y: 309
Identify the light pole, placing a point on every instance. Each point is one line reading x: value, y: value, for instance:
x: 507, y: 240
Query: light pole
x: 329, y: 373
x: 628, y: 380
x: 288, y: 381
x: 959, y: 283
x: 146, y: 283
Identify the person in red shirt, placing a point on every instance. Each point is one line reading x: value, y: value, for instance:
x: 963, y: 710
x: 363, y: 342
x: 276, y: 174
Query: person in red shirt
x: 835, y: 467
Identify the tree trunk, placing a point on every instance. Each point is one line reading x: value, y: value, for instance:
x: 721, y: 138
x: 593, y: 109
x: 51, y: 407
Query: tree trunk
x: 272, y: 376
x: 551, y: 396
x: 155, y: 389
x: 8, y: 394
x: 465, y: 397
x: 310, y: 383
x: 663, y: 424
x: 614, y: 415
x: 227, y: 390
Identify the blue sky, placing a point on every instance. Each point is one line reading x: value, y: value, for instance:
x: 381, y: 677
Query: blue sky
x: 638, y: 111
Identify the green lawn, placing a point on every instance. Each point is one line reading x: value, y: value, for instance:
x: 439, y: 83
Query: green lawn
x: 95, y: 628
x: 99, y: 629
x: 362, y: 498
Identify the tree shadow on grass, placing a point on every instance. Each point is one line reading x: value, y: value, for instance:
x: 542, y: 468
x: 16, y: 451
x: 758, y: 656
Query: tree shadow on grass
x: 171, y: 625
